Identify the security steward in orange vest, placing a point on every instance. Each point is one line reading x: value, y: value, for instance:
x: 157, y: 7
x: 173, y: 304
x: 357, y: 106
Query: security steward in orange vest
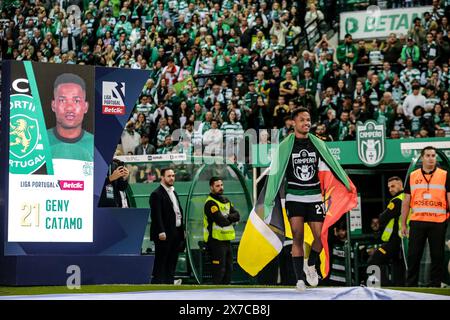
x: 390, y: 251
x: 427, y: 194
x: 218, y: 231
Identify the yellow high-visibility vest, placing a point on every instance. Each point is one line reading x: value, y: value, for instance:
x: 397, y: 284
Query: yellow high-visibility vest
x: 390, y: 226
x: 218, y: 232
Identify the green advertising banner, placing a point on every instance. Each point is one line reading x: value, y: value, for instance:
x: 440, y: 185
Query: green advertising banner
x: 371, y: 24
x: 396, y: 151
x: 346, y: 152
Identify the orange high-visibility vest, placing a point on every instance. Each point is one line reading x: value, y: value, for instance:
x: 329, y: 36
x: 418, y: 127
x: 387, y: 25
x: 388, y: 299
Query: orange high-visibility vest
x: 428, y: 198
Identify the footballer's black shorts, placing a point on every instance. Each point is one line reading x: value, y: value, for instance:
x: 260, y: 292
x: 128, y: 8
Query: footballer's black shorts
x: 311, y: 211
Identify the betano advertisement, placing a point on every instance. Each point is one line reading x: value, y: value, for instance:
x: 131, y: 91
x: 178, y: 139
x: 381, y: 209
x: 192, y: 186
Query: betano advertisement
x: 379, y: 23
x: 51, y: 156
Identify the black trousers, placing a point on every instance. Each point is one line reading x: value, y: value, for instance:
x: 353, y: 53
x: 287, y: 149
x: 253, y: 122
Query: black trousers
x: 221, y: 261
x: 166, y: 257
x: 419, y: 233
x: 390, y: 253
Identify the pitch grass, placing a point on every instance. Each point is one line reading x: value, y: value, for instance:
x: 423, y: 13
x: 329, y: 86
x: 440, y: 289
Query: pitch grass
x: 8, y: 291
x: 107, y: 288
x: 441, y: 291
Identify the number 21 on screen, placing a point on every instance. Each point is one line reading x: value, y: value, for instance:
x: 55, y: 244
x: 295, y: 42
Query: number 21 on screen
x: 29, y: 212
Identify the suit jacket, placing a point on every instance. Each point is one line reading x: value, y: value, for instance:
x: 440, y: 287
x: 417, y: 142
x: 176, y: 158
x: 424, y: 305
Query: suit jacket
x: 139, y: 150
x: 349, y: 81
x: 70, y: 43
x: 36, y: 42
x: 302, y: 67
x: 163, y: 215
x: 145, y: 53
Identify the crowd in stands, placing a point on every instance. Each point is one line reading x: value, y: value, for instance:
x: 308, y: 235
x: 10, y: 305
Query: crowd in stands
x: 218, y: 68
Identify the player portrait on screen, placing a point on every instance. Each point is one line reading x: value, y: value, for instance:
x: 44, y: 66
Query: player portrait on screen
x: 68, y: 139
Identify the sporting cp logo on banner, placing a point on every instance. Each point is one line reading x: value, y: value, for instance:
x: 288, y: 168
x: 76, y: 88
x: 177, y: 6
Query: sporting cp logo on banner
x: 113, y: 98
x: 370, y: 140
x: 26, y: 152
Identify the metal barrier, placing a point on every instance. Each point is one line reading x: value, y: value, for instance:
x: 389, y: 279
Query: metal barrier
x: 307, y: 39
x: 192, y: 194
x: 396, y: 67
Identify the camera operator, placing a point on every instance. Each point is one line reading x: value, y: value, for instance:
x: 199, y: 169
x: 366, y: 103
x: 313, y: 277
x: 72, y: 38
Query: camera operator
x: 113, y: 193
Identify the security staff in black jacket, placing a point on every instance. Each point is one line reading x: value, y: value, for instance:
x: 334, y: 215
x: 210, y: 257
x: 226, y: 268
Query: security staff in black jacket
x: 166, y: 228
x: 113, y: 192
x: 391, y: 251
x: 218, y: 218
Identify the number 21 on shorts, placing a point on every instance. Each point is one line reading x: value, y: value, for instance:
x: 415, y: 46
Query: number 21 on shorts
x: 320, y: 208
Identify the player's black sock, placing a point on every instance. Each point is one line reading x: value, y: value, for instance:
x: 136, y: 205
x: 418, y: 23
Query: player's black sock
x: 313, y: 255
x: 298, y: 267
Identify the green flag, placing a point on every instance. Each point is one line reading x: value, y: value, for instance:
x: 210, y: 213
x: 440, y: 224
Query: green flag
x: 185, y: 85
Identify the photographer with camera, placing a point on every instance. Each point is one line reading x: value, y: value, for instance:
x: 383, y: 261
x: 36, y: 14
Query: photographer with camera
x: 113, y: 193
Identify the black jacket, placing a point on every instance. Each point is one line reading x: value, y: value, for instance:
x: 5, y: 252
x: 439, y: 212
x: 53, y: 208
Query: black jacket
x: 139, y: 150
x: 117, y: 185
x: 393, y: 211
x: 163, y: 215
x: 215, y: 216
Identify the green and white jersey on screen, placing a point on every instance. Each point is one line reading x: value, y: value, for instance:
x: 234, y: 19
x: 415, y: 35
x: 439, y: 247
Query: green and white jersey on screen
x: 81, y: 148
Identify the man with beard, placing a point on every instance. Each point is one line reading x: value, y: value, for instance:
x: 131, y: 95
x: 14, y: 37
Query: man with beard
x: 219, y: 215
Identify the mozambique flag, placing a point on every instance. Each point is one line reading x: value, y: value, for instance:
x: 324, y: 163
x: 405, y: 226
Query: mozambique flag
x: 267, y: 226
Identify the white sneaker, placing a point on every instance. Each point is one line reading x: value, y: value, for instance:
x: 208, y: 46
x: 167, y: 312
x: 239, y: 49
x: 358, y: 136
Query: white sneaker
x: 301, y: 287
x: 177, y: 281
x: 311, y: 275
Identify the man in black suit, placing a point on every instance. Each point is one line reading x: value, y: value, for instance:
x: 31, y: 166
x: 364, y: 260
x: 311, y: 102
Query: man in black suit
x: 145, y: 147
x: 349, y: 77
x: 166, y: 228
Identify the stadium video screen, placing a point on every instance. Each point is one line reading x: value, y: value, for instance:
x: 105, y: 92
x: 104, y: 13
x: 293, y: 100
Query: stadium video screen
x: 51, y: 155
